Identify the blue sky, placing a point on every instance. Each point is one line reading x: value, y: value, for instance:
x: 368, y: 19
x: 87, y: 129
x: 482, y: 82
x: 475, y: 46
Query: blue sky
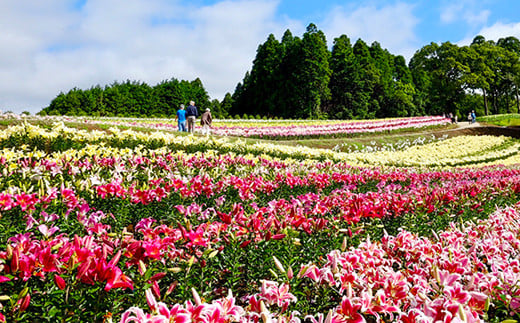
x: 51, y: 46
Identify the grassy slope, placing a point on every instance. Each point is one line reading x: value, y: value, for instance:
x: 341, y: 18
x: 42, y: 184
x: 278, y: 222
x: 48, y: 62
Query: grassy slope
x: 503, y: 120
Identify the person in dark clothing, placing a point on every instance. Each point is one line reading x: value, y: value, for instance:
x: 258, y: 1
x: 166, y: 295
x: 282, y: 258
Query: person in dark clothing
x: 191, y: 115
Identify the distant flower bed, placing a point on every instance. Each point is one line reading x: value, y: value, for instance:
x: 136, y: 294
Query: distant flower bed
x: 452, y: 152
x: 279, y: 129
x: 331, y: 129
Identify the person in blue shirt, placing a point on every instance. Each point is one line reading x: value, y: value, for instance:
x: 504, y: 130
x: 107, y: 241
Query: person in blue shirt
x: 181, y: 118
x: 473, y: 116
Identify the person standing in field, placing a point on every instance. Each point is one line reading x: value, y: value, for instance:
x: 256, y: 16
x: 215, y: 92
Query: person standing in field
x: 181, y: 118
x: 205, y: 122
x: 473, y: 116
x: 192, y: 114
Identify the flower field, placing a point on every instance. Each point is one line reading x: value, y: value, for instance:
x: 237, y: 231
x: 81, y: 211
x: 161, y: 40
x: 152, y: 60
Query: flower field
x: 128, y: 226
x: 280, y: 129
x: 327, y: 129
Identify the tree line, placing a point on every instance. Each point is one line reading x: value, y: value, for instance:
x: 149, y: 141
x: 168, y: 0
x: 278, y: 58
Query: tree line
x: 301, y: 78
x: 129, y: 99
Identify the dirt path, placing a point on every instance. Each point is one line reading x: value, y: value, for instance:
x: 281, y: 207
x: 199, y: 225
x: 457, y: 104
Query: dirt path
x: 464, y: 125
x: 466, y: 128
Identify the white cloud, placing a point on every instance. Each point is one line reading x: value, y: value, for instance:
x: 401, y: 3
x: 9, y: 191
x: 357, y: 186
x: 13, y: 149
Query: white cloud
x: 53, y: 47
x: 495, y: 32
x: 392, y: 26
x: 451, y: 12
x: 467, y: 11
x: 477, y: 18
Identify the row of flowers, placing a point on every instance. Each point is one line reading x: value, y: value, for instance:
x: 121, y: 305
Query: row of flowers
x: 331, y: 129
x: 456, y: 151
x: 285, y: 129
x: 151, y: 175
x: 145, y: 176
x: 459, y: 151
x: 401, y: 144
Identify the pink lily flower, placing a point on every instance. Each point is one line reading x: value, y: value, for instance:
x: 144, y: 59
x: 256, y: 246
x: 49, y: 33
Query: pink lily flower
x: 348, y: 313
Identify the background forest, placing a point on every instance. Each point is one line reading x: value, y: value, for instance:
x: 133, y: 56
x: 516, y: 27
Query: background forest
x: 299, y: 78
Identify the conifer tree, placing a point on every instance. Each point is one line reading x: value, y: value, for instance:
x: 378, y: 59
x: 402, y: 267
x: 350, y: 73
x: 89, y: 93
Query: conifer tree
x: 341, y: 65
x: 314, y: 73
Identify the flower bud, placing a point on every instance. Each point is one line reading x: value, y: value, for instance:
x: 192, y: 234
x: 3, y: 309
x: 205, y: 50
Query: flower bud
x: 9, y: 250
x: 58, y: 280
x: 25, y: 302
x: 278, y: 264
x: 344, y: 244
x: 142, y: 267
x: 171, y: 287
x: 175, y: 269
x: 462, y: 313
x: 290, y: 273
x: 196, y: 297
